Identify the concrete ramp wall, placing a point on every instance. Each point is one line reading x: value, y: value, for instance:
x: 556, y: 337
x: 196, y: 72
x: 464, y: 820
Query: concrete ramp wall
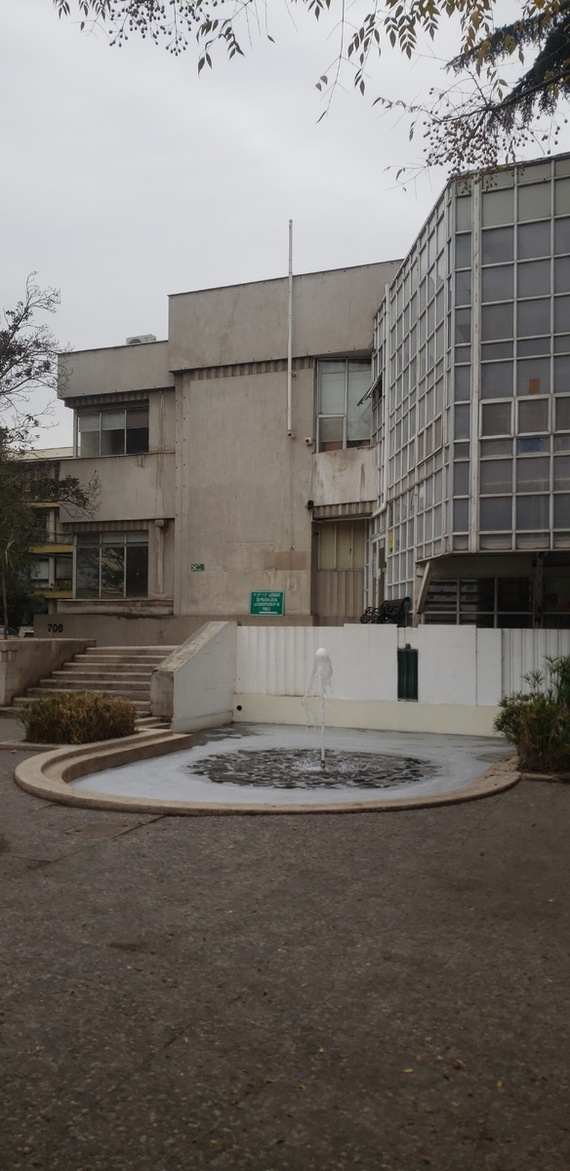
x: 194, y: 687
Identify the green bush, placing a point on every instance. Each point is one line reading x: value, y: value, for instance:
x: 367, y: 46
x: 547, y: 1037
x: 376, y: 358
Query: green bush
x: 78, y: 717
x: 537, y: 721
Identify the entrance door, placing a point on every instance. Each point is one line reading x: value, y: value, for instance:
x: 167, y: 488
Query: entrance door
x: 338, y: 571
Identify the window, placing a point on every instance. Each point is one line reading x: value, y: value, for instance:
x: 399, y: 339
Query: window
x: 113, y: 432
x: 343, y: 418
x: 112, y: 565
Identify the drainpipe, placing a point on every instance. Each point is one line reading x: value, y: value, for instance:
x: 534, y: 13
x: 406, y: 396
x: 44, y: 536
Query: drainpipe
x: 290, y: 335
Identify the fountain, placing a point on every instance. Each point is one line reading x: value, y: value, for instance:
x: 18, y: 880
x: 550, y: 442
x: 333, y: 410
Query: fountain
x: 256, y: 767
x: 319, y: 683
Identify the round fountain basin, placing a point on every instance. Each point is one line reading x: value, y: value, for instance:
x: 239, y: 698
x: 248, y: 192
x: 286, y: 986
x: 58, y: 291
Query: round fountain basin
x: 259, y: 767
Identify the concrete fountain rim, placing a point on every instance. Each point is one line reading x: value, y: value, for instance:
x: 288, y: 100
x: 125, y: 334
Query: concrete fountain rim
x: 48, y: 775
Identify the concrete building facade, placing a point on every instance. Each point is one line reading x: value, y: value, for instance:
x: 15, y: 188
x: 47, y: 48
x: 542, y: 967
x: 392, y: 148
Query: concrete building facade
x: 409, y: 436
x: 225, y: 466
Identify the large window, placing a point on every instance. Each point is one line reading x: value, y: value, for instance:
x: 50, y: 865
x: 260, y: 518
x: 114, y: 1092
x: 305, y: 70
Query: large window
x: 122, y: 431
x: 343, y: 410
x: 111, y: 565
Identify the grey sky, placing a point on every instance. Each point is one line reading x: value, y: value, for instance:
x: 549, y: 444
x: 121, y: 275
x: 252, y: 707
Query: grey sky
x: 127, y: 178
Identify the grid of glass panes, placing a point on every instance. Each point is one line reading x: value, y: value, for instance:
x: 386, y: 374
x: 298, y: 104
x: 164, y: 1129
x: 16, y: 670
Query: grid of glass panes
x: 111, y: 565
x: 524, y: 470
x: 462, y: 247
x: 417, y: 363
x: 118, y: 431
x: 344, y: 407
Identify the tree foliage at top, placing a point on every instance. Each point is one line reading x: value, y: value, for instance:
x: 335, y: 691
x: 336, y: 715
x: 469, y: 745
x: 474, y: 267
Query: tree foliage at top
x: 478, y: 120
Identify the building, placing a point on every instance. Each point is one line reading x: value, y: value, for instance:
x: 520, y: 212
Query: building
x: 409, y: 437
x: 218, y: 477
x: 472, y: 406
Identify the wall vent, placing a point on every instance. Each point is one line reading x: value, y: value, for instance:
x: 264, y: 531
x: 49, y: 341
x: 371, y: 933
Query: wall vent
x: 141, y: 339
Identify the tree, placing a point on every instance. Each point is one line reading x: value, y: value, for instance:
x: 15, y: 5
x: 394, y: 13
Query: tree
x: 478, y: 120
x: 28, y: 362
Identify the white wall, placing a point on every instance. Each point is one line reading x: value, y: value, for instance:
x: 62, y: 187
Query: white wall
x: 526, y: 650
x: 194, y: 686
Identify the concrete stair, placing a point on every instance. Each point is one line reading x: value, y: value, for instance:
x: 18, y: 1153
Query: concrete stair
x: 121, y: 671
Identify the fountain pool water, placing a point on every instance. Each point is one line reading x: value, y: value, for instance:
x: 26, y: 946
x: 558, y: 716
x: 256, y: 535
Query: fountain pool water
x: 267, y: 766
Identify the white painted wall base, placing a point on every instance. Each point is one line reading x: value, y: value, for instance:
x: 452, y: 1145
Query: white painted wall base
x: 378, y: 715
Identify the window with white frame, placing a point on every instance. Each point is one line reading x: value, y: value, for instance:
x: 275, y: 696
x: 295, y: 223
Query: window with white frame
x: 120, y: 431
x: 343, y: 407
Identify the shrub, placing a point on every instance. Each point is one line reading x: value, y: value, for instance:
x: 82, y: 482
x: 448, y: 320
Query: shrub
x: 78, y: 717
x: 537, y: 721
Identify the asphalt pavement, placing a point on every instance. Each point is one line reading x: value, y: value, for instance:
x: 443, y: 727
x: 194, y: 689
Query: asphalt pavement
x: 378, y: 992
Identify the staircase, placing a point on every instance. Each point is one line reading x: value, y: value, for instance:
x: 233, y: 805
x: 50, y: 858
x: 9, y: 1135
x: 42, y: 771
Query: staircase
x: 125, y: 671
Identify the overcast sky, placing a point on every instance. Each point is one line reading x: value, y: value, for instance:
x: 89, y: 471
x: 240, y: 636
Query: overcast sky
x: 127, y: 177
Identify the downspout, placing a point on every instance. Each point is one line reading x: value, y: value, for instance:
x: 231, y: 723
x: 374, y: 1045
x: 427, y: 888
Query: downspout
x: 290, y: 336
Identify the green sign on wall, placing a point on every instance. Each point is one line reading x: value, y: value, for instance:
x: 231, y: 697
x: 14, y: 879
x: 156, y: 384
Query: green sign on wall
x: 265, y: 602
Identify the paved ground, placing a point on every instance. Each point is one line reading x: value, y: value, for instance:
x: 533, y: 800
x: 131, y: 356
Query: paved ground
x: 380, y: 992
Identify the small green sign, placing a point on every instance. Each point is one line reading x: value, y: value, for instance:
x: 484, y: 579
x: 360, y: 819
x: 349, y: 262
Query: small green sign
x: 196, y: 568
x: 264, y: 602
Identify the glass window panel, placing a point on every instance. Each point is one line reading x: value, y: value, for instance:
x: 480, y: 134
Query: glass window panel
x: 562, y: 442
x: 533, y: 317
x: 88, y: 421
x: 463, y: 288
x: 462, y: 422
x: 463, y: 250
x: 533, y: 240
x: 497, y: 283
x: 514, y: 594
x: 498, y: 207
x: 462, y: 383
x: 136, y: 577
x: 561, y: 473
x: 533, y: 415
x: 137, y: 440
x: 562, y: 414
x: 496, y: 419
x: 463, y: 325
x: 533, y: 443
x: 495, y: 513
x: 113, y: 442
x: 461, y: 479
x: 496, y: 446
x: 493, y: 351
x: 533, y: 474
x: 497, y: 321
x: 562, y: 237
x: 112, y: 571
x: 561, y: 511
x: 534, y: 201
x: 533, y: 278
x: 533, y: 345
x: 532, y: 512
x: 332, y: 381
x: 562, y: 197
x: 358, y: 422
x: 460, y: 516
x: 533, y: 376
x: 87, y: 571
x: 88, y: 443
x: 463, y: 353
x: 84, y: 539
x: 461, y: 450
x: 463, y: 213
x: 561, y: 314
x: 112, y: 420
x: 496, y: 379
x: 331, y: 434
x: 562, y: 275
x: 562, y: 374
x: 497, y: 245
x: 39, y: 569
x: 64, y: 571
x: 496, y: 475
